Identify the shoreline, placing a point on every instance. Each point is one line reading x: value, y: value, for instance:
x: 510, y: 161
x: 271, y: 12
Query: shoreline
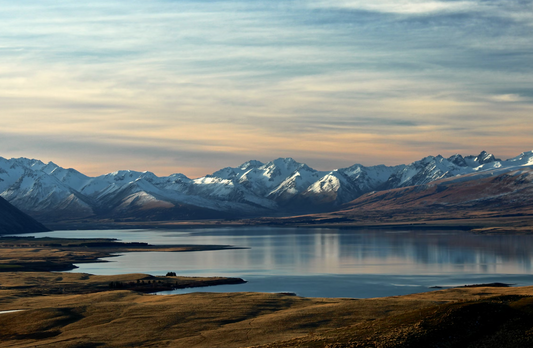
x: 30, y: 284
x: 24, y: 254
x: 208, y: 224
x: 483, y: 223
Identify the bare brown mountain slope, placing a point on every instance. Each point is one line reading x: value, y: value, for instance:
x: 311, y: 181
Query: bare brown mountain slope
x: 508, y: 193
x: 499, y: 199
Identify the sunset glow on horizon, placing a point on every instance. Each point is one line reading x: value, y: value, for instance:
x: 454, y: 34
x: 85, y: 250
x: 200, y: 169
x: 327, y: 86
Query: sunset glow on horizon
x: 193, y: 86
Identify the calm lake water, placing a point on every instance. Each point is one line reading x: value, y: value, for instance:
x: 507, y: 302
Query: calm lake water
x: 317, y: 262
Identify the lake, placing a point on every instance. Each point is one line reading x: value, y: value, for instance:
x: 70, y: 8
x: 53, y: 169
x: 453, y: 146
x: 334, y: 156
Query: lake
x: 317, y: 262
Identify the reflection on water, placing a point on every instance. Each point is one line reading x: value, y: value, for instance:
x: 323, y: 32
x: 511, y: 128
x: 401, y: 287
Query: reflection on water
x: 405, y: 261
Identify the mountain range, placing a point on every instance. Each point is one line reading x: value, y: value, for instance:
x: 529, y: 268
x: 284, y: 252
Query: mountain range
x: 283, y: 186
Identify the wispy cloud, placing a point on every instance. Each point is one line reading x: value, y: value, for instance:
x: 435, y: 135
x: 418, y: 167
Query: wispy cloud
x: 216, y: 81
x: 398, y: 6
x: 507, y: 98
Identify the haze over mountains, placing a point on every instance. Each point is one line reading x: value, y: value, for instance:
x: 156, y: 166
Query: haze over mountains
x: 280, y: 187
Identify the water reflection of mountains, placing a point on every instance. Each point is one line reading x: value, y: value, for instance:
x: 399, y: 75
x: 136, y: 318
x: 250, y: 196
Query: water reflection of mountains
x: 315, y: 251
x: 439, y: 248
x: 330, y: 250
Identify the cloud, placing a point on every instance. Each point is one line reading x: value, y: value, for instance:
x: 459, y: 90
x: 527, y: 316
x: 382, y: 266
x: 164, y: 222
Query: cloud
x: 507, y: 98
x: 409, y: 7
x: 212, y: 82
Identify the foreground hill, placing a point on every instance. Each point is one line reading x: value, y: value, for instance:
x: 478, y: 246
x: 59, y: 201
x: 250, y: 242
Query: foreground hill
x: 72, y: 316
x: 14, y: 221
x: 279, y: 187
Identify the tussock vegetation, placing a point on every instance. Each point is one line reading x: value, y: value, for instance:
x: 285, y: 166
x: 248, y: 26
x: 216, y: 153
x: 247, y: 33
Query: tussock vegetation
x: 462, y: 317
x: 83, y: 310
x: 502, y: 321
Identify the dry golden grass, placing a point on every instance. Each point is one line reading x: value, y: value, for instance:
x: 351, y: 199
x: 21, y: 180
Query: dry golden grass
x: 123, y: 319
x: 46, y: 283
x: 81, y: 310
x: 130, y: 319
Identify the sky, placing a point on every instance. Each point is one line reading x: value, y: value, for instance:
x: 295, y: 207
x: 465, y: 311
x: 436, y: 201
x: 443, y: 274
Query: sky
x: 193, y: 86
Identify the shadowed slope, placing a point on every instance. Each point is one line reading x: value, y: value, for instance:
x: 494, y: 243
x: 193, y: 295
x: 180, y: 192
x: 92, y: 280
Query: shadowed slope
x: 14, y: 221
x: 498, y: 322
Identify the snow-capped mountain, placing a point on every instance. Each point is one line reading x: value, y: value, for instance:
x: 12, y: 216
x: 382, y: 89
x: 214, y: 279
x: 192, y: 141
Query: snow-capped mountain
x: 278, y: 180
x: 432, y: 168
x: 483, y: 194
x: 31, y: 186
x: 343, y: 185
x: 282, y: 186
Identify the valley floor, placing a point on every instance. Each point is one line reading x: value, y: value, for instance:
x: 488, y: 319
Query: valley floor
x: 51, y: 309
x: 460, y: 317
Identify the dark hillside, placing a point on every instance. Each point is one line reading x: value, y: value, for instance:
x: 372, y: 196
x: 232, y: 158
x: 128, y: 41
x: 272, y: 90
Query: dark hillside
x: 14, y: 221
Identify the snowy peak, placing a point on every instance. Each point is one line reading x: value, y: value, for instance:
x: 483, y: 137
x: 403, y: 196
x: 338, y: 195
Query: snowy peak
x: 485, y: 157
x: 378, y: 173
x: 345, y: 184
x: 123, y: 175
x: 19, y: 163
x: 70, y: 177
x: 525, y: 158
x: 29, y: 163
x: 482, y: 158
x: 458, y: 160
x: 178, y: 178
x: 473, y: 161
x: 50, y: 167
x: 294, y: 184
x: 280, y: 167
x: 228, y: 173
x: 278, y: 180
x: 283, y: 178
x: 250, y: 164
x: 281, y: 185
x: 286, y: 165
x: 232, y: 173
x: 433, y: 168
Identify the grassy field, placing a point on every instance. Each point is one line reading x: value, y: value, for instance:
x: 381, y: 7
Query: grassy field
x: 462, y: 317
x: 83, y: 310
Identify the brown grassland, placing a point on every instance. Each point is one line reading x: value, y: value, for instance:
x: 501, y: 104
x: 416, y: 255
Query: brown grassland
x: 461, y: 317
x: 82, y: 310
